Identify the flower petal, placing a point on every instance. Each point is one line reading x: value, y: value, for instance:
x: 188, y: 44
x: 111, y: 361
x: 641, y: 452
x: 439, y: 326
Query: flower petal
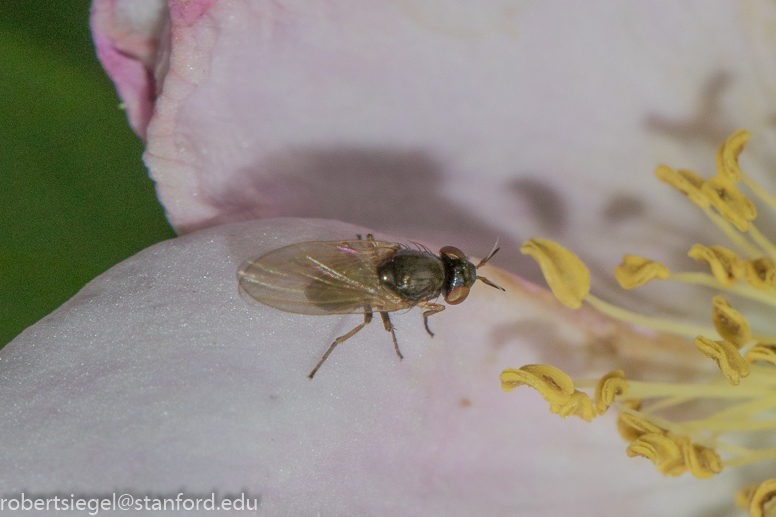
x: 505, y: 118
x: 157, y: 376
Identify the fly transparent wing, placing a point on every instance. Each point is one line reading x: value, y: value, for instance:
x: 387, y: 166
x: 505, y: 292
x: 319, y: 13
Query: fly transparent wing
x: 322, y: 277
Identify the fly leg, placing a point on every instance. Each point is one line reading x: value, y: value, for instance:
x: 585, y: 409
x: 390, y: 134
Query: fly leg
x: 389, y: 327
x: 367, y: 319
x: 431, y: 309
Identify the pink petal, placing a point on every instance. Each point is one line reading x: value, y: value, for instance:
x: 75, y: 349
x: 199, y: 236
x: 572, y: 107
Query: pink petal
x: 127, y: 36
x: 435, y: 118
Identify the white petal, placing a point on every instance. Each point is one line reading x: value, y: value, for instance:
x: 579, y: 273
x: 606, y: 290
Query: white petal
x: 157, y: 377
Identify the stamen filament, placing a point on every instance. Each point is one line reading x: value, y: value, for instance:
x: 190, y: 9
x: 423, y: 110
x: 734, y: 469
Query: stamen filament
x: 725, y: 426
x: 762, y: 240
x: 739, y: 239
x: 678, y: 329
x: 764, y: 338
x: 765, y: 375
x: 735, y: 450
x: 665, y: 403
x: 746, y: 409
x: 758, y: 191
x: 753, y: 457
x: 717, y: 390
x: 705, y: 279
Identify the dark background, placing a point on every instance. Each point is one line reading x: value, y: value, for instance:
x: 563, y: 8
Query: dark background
x: 75, y: 197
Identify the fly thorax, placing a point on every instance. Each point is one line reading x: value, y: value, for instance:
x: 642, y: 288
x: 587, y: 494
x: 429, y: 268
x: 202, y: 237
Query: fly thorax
x: 414, y: 275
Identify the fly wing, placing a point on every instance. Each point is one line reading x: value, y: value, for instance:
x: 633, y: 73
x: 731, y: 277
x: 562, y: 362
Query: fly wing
x: 322, y: 277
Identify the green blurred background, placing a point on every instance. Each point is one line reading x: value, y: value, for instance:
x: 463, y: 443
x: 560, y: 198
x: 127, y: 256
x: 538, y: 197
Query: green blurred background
x: 75, y: 196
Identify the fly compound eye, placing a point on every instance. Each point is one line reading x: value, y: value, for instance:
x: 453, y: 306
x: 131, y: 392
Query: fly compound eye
x: 453, y: 253
x: 457, y: 295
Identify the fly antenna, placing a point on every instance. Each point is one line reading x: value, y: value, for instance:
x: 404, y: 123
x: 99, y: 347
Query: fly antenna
x: 488, y: 282
x: 483, y: 262
x: 490, y: 255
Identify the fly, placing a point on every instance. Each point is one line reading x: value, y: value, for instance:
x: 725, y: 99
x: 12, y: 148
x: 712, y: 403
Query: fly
x: 360, y: 277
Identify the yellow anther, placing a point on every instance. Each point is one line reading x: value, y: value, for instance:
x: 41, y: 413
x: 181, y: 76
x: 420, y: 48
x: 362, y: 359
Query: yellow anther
x: 633, y: 426
x: 672, y: 455
x: 730, y: 202
x: 727, y: 155
x: 578, y: 404
x: 635, y: 271
x: 610, y: 386
x: 661, y: 450
x: 726, y: 266
x: 552, y: 384
x: 760, y: 273
x: 727, y: 357
x: 763, y: 501
x: 761, y: 352
x: 701, y: 461
x: 744, y: 496
x: 566, y: 275
x: 686, y: 182
x: 730, y: 324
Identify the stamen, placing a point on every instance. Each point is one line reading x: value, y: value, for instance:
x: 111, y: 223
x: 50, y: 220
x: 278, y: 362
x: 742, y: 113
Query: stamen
x: 730, y: 324
x: 610, y: 386
x: 552, y: 383
x: 761, y: 352
x: 686, y: 182
x: 631, y: 426
x: 763, y: 501
x: 726, y: 266
x: 579, y: 405
x: 740, y: 240
x: 672, y: 452
x: 761, y: 273
x: 762, y: 241
x: 744, y: 402
x: 727, y: 156
x: 661, y: 450
x: 730, y: 202
x: 702, y: 462
x: 635, y: 271
x: 726, y: 355
x: 566, y: 275
x: 744, y: 497
x: 760, y: 192
x: 659, y: 324
x: 554, y: 386
x: 746, y: 291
